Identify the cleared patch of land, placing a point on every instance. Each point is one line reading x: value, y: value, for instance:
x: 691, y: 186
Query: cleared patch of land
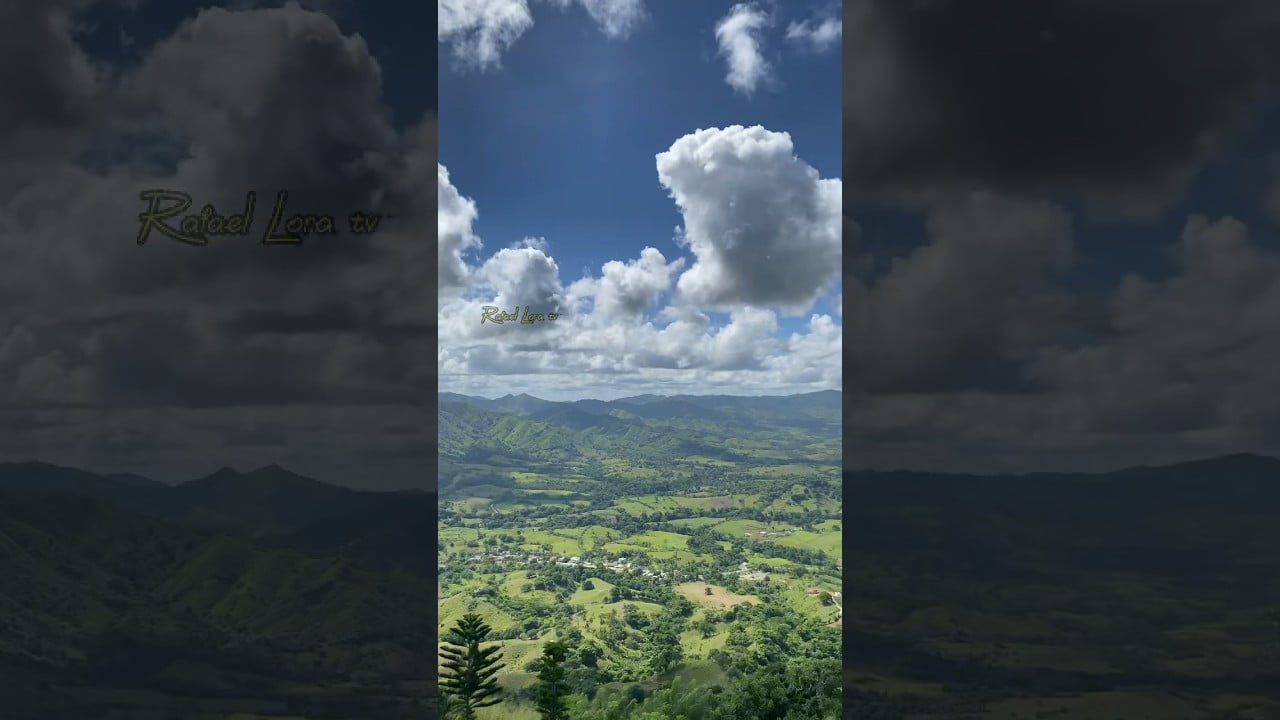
x: 719, y: 598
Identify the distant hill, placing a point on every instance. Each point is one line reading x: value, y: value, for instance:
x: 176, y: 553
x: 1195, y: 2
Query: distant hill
x: 819, y: 397
x: 522, y: 404
x: 55, y: 478
x: 267, y: 501
x: 575, y: 417
x: 648, y: 426
x: 1257, y: 475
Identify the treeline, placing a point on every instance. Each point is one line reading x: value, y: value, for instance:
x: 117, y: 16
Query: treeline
x: 565, y: 517
x: 602, y: 488
x: 775, y: 671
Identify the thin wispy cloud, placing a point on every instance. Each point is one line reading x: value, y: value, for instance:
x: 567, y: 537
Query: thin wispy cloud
x: 816, y: 35
x: 616, y: 18
x: 482, y: 31
x: 740, y: 35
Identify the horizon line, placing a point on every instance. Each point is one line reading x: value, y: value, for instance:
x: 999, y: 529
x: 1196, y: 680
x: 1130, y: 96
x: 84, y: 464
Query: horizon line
x: 660, y: 395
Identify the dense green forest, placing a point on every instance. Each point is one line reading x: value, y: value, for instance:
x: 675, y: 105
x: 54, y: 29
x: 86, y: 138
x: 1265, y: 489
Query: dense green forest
x: 685, y: 550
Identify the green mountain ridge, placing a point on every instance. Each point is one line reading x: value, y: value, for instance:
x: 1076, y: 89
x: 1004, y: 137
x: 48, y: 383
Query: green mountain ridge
x: 638, y: 429
x: 262, y: 592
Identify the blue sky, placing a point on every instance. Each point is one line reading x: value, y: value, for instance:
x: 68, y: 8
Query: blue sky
x: 556, y: 139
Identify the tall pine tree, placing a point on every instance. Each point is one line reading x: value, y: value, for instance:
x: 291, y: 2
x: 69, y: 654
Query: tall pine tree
x: 467, y: 672
x: 551, y: 687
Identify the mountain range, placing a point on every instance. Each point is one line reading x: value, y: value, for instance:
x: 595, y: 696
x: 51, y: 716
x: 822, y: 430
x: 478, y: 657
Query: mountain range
x: 525, y: 428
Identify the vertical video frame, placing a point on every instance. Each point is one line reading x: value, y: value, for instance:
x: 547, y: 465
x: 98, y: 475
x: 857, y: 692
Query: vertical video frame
x: 216, y: 496
x: 639, y: 355
x: 1061, y: 433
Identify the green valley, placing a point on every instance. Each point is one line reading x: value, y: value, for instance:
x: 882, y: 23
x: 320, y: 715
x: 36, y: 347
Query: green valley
x: 686, y: 549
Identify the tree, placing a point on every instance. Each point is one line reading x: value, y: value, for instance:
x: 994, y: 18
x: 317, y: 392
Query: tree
x: 589, y: 654
x: 551, y: 687
x: 664, y: 654
x: 572, y: 636
x: 468, y: 670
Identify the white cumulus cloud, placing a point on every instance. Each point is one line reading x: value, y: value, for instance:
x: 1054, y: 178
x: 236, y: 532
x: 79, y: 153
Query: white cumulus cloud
x: 454, y: 217
x: 764, y: 228
x: 629, y: 288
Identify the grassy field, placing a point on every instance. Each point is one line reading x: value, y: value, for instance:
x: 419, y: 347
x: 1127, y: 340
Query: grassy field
x: 719, y: 598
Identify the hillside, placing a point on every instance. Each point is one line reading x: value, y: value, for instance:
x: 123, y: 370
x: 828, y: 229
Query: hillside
x: 805, y: 427
x: 1146, y: 593
x: 236, y: 593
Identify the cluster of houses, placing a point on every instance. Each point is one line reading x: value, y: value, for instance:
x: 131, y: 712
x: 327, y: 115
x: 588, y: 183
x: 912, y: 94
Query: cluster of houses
x: 618, y: 566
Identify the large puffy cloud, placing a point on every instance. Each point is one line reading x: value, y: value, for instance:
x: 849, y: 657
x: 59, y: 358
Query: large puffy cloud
x: 740, y: 36
x: 93, y: 323
x: 1189, y: 353
x: 628, y: 289
x: 1090, y: 96
x: 1008, y: 369
x: 962, y: 311
x: 813, y: 356
x: 524, y: 275
x: 764, y: 227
